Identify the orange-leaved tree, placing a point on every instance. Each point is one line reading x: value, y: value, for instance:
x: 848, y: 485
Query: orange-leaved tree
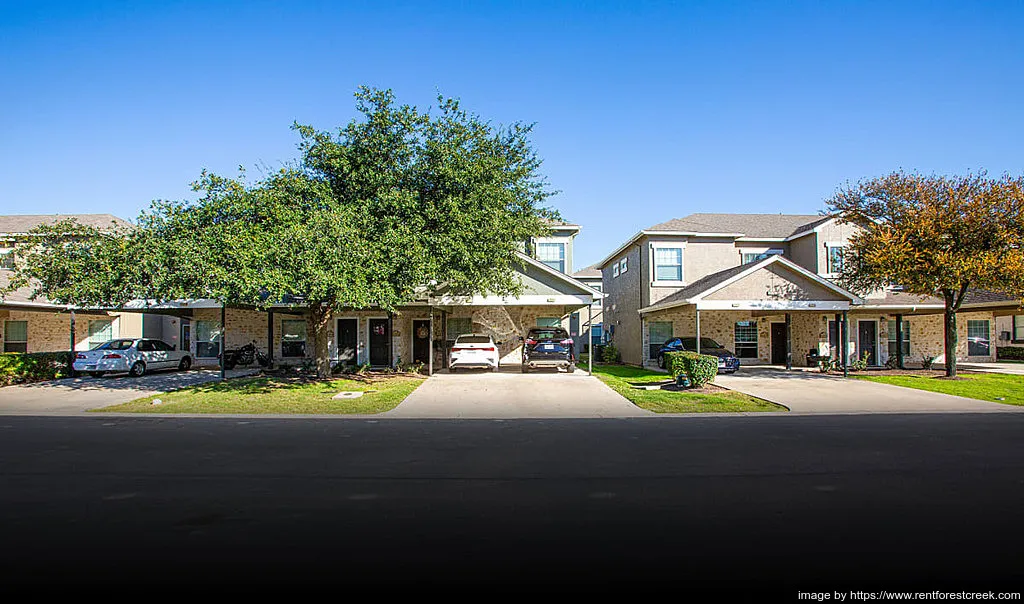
x: 936, y: 236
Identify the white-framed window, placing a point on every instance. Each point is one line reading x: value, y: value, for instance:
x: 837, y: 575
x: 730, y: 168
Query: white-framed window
x: 745, y: 339
x: 978, y: 339
x: 457, y: 326
x: 1017, y: 335
x: 892, y: 339
x: 597, y: 302
x: 552, y: 254
x: 293, y: 338
x: 834, y: 258
x: 100, y: 331
x: 623, y: 265
x: 668, y: 264
x: 658, y: 332
x: 6, y: 258
x: 15, y: 336
x: 615, y: 270
x: 749, y: 257
x: 207, y: 339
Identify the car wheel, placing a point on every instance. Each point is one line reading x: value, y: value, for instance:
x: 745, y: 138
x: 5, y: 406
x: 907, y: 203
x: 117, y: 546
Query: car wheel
x: 525, y: 369
x: 97, y: 373
x: 184, y: 364
x: 661, y: 361
x: 138, y: 369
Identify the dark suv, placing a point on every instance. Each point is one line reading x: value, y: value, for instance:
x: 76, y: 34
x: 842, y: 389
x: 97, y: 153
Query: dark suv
x: 548, y: 347
x: 727, y: 361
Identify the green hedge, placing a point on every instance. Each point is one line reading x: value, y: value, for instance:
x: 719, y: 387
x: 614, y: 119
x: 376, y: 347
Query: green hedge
x: 1010, y: 353
x: 18, y: 368
x: 698, y: 368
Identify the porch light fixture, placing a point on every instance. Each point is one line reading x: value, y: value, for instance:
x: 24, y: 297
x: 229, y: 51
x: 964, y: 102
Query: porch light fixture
x: 735, y: 304
x: 551, y: 299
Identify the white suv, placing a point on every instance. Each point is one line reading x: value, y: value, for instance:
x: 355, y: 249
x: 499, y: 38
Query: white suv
x: 473, y: 350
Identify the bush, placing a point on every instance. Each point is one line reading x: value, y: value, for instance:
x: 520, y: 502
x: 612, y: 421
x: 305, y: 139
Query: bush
x: 1010, y: 353
x: 610, y: 354
x: 19, y: 368
x: 698, y: 368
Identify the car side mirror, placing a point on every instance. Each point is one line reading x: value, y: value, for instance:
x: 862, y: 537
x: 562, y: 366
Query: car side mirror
x: 521, y: 339
x: 498, y: 343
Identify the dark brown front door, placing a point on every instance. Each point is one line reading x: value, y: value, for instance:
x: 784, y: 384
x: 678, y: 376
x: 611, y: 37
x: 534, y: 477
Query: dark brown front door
x: 867, y: 338
x: 348, y: 340
x: 380, y: 353
x: 778, y: 343
x: 420, y: 341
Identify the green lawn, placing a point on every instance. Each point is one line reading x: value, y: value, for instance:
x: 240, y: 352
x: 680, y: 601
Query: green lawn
x: 277, y: 395
x: 986, y: 387
x: 618, y: 378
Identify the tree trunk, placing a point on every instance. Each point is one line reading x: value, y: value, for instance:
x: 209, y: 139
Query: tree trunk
x: 950, y: 333
x: 321, y: 319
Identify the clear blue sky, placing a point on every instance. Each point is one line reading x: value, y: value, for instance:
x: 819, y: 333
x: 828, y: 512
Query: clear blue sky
x: 645, y: 111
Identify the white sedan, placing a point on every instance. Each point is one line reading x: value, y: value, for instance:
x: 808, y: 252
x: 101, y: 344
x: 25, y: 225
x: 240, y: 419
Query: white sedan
x: 473, y: 350
x: 134, y: 355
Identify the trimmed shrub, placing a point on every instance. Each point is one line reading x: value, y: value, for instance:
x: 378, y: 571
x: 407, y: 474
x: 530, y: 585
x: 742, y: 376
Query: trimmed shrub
x: 698, y: 368
x: 610, y: 354
x: 20, y: 368
x: 1010, y: 353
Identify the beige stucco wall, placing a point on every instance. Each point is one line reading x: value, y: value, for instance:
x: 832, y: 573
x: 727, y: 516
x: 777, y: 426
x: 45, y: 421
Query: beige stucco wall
x: 831, y: 232
x: 804, y: 251
x: 623, y: 302
x: 792, y: 286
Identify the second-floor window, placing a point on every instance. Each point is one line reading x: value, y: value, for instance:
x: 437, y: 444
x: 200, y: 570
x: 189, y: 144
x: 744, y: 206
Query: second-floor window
x: 749, y: 257
x: 6, y: 259
x: 597, y: 301
x: 552, y: 254
x: 668, y: 264
x: 836, y: 254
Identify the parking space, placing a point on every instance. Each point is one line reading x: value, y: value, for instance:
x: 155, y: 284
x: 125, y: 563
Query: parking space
x: 509, y: 394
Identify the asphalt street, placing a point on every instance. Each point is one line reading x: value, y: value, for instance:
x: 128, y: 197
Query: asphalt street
x: 828, y: 501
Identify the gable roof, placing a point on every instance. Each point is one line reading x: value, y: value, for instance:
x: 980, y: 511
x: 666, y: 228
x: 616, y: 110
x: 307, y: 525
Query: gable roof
x: 560, y: 275
x: 19, y: 224
x: 750, y: 225
x: 591, y: 272
x: 693, y: 293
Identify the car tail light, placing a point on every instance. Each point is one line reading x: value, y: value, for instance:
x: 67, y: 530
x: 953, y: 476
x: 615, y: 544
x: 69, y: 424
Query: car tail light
x: 531, y: 342
x: 112, y: 355
x: 457, y: 349
x: 80, y: 356
x: 566, y: 342
x: 488, y: 349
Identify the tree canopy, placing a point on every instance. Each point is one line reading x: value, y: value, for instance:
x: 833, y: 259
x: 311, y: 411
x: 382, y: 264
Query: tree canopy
x: 936, y: 236
x: 370, y: 215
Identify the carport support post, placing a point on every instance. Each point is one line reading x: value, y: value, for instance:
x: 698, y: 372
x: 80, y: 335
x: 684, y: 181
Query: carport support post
x: 430, y: 344
x: 270, y: 338
x: 899, y: 341
x: 223, y: 328
x: 697, y: 311
x: 846, y: 345
x: 789, y: 341
x: 590, y: 342
x: 71, y: 359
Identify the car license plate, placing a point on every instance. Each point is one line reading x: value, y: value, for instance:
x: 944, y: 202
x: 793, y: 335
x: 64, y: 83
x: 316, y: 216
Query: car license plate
x: 547, y: 347
x: 721, y: 363
x: 90, y: 367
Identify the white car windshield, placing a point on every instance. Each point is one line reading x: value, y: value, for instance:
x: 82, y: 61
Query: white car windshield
x: 115, y: 345
x: 473, y: 340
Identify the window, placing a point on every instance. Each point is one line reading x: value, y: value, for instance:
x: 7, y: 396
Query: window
x: 668, y: 264
x: 596, y: 334
x: 549, y: 322
x: 597, y: 301
x: 835, y: 259
x: 978, y: 339
x: 207, y: 339
x: 749, y: 257
x: 658, y: 332
x: 1018, y: 328
x: 100, y: 331
x: 615, y: 270
x: 146, y: 346
x: 745, y: 339
x: 623, y: 266
x: 6, y: 259
x: 293, y: 338
x: 458, y: 326
x: 552, y: 254
x: 162, y: 346
x: 892, y: 339
x: 15, y: 336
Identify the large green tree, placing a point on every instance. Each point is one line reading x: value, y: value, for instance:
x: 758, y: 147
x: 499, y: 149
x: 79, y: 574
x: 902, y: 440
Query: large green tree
x: 394, y: 204
x: 937, y: 236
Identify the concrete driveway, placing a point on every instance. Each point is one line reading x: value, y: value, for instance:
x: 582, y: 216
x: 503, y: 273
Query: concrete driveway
x: 511, y: 394
x: 997, y: 367
x: 808, y: 392
x: 73, y: 396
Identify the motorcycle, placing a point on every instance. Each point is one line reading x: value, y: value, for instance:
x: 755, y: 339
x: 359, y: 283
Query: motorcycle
x: 245, y: 356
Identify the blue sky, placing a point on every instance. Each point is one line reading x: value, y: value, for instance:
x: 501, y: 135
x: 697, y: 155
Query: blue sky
x: 645, y: 111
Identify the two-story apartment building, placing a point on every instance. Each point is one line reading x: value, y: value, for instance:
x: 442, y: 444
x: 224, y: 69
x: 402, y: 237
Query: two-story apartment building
x: 762, y: 285
x: 593, y: 278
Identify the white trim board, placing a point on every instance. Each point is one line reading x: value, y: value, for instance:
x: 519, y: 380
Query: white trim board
x: 796, y: 305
